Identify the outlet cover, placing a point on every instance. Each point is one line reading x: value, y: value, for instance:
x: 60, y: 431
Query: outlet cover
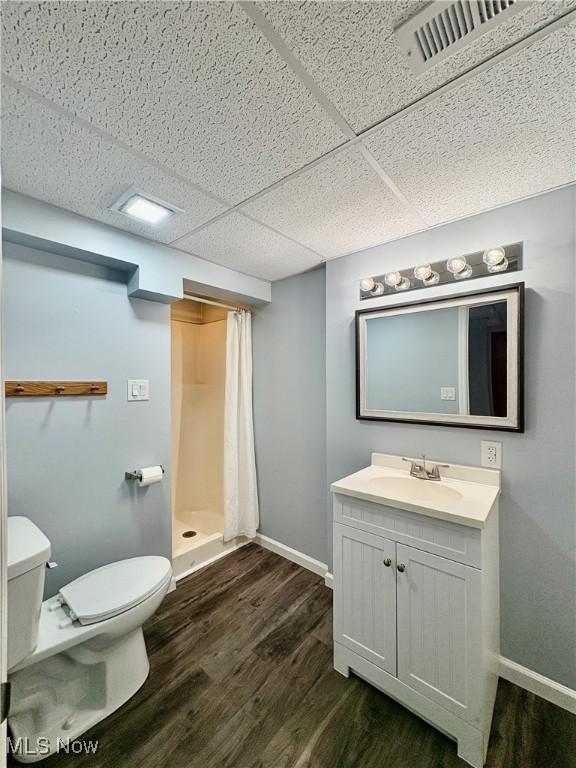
x: 491, y: 454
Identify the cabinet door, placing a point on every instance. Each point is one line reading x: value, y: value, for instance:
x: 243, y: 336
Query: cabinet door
x: 365, y: 595
x: 439, y: 631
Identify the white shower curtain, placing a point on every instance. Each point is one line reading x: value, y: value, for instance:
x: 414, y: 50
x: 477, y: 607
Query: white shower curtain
x: 241, y: 515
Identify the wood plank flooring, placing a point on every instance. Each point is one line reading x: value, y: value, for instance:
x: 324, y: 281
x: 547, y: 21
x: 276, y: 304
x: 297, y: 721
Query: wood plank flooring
x: 241, y: 677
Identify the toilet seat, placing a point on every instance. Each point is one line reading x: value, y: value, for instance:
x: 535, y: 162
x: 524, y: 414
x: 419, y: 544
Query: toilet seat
x: 115, y: 588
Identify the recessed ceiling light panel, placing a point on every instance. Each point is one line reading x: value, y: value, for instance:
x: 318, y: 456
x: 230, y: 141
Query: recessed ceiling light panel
x: 145, y: 208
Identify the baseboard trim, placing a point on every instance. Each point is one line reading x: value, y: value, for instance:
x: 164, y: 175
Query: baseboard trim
x: 554, y: 692
x: 329, y: 580
x: 292, y: 554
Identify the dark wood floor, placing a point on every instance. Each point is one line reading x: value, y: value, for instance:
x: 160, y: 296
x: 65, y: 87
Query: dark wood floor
x: 241, y: 658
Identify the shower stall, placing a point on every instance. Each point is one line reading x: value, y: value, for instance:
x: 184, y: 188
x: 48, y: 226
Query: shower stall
x: 198, y: 386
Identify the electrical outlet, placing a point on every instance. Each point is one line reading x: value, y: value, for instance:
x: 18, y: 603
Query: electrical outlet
x: 491, y: 454
x: 447, y: 393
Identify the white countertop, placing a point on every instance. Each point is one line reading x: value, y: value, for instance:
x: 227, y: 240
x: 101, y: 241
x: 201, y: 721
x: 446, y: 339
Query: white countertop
x: 470, y: 505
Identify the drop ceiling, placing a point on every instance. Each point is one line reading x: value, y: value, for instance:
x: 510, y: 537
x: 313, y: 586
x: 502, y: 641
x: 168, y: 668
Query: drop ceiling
x: 290, y: 133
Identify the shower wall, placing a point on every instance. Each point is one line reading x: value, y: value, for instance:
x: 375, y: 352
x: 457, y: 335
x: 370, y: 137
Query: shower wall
x: 198, y: 372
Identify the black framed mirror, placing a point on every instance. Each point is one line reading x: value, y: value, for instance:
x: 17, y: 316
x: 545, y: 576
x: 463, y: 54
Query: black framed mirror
x: 453, y: 361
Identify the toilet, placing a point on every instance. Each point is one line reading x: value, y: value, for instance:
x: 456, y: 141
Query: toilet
x: 78, y: 656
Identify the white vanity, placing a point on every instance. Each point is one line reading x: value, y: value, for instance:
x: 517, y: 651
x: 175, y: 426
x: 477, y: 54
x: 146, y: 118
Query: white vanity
x: 416, y: 592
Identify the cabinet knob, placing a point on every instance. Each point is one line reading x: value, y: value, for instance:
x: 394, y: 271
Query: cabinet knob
x: 401, y: 567
x: 387, y: 562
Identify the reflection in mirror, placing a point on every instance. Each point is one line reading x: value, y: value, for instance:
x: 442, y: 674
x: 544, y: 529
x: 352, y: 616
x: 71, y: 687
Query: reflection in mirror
x: 487, y: 364
x: 446, y: 361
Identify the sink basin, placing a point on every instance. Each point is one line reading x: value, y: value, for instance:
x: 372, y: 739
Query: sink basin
x: 412, y: 488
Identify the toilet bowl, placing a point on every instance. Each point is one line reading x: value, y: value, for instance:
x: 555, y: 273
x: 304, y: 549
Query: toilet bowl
x: 77, y: 657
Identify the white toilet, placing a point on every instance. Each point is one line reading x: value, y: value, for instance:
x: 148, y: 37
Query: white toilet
x: 78, y: 656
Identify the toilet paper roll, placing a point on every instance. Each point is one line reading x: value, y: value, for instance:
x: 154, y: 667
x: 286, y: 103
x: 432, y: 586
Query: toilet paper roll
x: 150, y: 475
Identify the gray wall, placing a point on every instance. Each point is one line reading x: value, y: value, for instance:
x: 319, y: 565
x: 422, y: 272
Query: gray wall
x: 409, y: 358
x: 65, y: 319
x: 290, y: 413
x: 537, y: 524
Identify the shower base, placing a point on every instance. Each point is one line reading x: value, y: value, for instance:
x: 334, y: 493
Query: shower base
x: 190, y: 552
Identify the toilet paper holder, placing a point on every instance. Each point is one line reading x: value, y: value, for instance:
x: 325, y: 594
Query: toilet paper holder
x: 136, y: 474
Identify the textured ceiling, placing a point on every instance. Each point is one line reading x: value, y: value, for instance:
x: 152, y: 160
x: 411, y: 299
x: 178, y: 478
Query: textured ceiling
x: 350, y: 51
x: 503, y: 143
x: 248, y: 117
x: 242, y: 244
x: 338, y: 206
x: 55, y: 158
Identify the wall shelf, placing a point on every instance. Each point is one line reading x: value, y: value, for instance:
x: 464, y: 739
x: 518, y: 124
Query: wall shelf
x: 55, y: 388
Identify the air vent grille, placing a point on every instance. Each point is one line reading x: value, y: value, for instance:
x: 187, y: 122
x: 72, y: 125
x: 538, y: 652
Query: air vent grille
x: 488, y: 9
x: 442, y: 28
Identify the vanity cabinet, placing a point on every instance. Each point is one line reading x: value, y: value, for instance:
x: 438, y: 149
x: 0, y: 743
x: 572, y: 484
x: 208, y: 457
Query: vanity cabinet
x: 416, y: 614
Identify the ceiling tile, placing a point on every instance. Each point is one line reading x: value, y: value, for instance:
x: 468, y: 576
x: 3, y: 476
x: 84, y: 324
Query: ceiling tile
x: 503, y: 134
x: 48, y: 156
x: 336, y: 207
x: 350, y: 50
x: 193, y: 85
x: 239, y: 243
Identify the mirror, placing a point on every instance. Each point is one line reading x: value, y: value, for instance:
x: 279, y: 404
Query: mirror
x: 455, y: 361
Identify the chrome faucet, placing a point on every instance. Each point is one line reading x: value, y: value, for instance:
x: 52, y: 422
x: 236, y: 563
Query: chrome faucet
x: 419, y: 470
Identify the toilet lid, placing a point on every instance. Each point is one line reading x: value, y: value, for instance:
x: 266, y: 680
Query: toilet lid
x: 115, y: 588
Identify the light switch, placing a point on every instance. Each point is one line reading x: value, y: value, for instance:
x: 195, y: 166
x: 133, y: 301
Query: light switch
x: 138, y: 389
x: 447, y: 393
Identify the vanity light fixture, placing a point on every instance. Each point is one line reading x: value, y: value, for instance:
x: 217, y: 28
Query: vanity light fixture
x: 145, y: 208
x: 422, y: 272
x: 464, y: 273
x: 494, y: 256
x: 377, y: 289
x: 432, y: 279
x: 367, y: 284
x: 393, y: 279
x: 469, y: 266
x: 456, y: 264
x: 502, y: 266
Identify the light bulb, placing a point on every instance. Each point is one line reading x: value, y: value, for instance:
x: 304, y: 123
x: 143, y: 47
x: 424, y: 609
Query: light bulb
x: 422, y: 272
x: 433, y: 279
x: 502, y: 266
x: 378, y: 289
x: 494, y: 256
x: 393, y: 278
x: 366, y: 284
x: 403, y: 285
x: 456, y: 264
x: 464, y: 273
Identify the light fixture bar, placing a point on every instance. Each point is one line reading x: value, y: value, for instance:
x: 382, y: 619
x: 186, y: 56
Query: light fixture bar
x: 487, y: 263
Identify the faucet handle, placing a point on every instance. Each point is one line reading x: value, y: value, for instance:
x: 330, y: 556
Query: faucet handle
x: 434, y: 473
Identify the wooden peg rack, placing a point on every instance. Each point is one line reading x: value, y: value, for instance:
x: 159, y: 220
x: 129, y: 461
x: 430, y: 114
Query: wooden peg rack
x: 54, y: 388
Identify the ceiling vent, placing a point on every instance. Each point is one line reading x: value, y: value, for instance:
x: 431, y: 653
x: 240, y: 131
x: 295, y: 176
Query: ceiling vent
x: 442, y: 28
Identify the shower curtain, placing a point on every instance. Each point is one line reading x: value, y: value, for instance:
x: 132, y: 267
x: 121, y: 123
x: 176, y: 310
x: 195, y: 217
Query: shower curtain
x: 241, y: 514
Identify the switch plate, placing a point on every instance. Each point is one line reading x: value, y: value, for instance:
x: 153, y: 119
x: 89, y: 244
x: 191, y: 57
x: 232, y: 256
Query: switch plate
x: 491, y: 454
x: 138, y: 389
x: 447, y: 393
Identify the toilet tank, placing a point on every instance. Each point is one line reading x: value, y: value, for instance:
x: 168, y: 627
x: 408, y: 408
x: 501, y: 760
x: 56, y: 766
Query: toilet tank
x: 28, y: 553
